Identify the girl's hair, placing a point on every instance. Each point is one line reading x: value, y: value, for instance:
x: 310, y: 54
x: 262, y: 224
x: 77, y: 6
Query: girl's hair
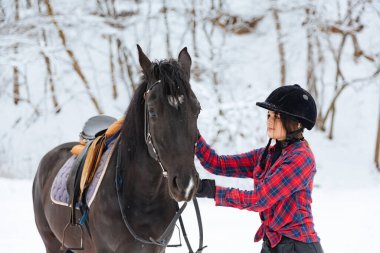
x: 291, y: 124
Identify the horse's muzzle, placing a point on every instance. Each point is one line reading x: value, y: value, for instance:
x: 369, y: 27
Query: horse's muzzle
x: 183, y: 187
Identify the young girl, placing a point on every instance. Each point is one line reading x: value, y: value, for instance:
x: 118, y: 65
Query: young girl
x: 282, y: 174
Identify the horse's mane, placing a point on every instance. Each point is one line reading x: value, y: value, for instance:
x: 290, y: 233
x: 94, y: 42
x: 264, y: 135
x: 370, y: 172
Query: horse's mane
x: 174, y: 83
x: 132, y: 131
x: 172, y: 76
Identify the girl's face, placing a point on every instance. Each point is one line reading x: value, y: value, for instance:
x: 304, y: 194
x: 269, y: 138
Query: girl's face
x: 275, y: 128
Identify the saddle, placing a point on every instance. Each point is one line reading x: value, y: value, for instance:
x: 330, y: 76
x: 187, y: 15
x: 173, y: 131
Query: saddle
x: 94, y: 127
x: 97, y: 132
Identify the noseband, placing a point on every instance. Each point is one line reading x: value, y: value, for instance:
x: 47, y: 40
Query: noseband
x: 148, y: 137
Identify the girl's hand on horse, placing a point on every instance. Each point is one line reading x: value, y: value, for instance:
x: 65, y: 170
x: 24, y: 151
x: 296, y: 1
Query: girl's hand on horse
x: 206, y: 189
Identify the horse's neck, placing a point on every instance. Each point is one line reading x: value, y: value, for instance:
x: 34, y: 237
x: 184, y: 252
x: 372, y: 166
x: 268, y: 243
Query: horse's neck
x: 143, y: 174
x: 144, y: 177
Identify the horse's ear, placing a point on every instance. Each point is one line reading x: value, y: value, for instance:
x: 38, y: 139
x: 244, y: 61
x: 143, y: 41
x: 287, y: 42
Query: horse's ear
x: 145, y: 63
x: 184, y: 61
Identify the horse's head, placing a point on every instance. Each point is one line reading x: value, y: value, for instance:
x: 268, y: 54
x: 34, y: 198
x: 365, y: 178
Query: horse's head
x: 172, y: 111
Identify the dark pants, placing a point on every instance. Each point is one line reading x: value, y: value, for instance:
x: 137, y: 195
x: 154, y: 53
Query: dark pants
x: 288, y: 245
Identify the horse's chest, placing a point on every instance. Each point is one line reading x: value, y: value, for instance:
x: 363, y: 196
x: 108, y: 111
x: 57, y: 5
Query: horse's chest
x: 148, y: 214
x: 146, y: 220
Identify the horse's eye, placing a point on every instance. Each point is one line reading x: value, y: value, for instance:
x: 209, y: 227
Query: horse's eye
x: 152, y: 114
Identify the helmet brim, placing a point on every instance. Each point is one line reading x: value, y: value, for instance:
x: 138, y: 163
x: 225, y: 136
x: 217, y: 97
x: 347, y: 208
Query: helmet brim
x: 308, y: 124
x: 267, y: 106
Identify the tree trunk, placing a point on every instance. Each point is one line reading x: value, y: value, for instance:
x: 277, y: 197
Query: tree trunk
x: 16, y: 85
x: 194, y: 29
x: 112, y: 68
x: 330, y: 136
x: 122, y: 63
x: 126, y: 54
x: 51, y: 83
x: 166, y: 21
x: 377, y: 145
x: 312, y: 43
x: 280, y: 44
x: 17, y: 10
x: 16, y: 79
x: 50, y: 78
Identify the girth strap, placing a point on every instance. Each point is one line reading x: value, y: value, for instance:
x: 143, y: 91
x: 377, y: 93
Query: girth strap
x: 93, y: 157
x: 77, y: 169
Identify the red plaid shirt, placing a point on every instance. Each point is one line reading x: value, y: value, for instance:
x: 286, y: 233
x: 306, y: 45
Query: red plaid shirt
x: 282, y: 192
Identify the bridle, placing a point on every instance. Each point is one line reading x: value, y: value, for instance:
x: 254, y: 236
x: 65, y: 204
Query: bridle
x: 162, y: 240
x: 148, y: 137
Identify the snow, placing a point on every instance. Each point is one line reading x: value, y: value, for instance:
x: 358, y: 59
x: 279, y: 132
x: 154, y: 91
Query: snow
x: 347, y: 220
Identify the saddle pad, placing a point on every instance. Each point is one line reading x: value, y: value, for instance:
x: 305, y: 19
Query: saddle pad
x: 59, y: 194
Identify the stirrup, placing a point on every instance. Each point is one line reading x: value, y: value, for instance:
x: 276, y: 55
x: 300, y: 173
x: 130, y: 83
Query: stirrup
x: 76, y: 225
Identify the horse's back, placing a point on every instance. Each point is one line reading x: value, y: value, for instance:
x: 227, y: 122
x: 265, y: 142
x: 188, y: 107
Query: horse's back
x: 51, y: 163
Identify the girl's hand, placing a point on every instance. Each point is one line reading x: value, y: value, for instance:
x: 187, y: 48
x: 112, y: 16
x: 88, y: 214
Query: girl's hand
x: 206, y: 189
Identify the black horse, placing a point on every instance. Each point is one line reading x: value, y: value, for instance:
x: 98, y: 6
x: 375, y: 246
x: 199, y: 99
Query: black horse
x: 157, y: 137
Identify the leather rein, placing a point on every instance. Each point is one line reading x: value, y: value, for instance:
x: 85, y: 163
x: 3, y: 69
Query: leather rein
x: 162, y: 240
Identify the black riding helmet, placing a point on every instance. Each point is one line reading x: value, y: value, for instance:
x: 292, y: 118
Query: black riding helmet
x: 293, y: 101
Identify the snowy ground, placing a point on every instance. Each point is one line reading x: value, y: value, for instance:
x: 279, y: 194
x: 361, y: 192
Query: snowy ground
x: 347, y: 221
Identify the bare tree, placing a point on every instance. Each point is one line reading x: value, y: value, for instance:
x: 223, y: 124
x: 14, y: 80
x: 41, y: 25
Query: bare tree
x: 313, y: 45
x: 16, y: 81
x: 112, y: 67
x: 166, y: 22
x: 70, y: 53
x: 377, y: 144
x: 194, y: 28
x: 280, y: 45
x: 346, y: 27
x: 125, y: 56
x: 50, y: 76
